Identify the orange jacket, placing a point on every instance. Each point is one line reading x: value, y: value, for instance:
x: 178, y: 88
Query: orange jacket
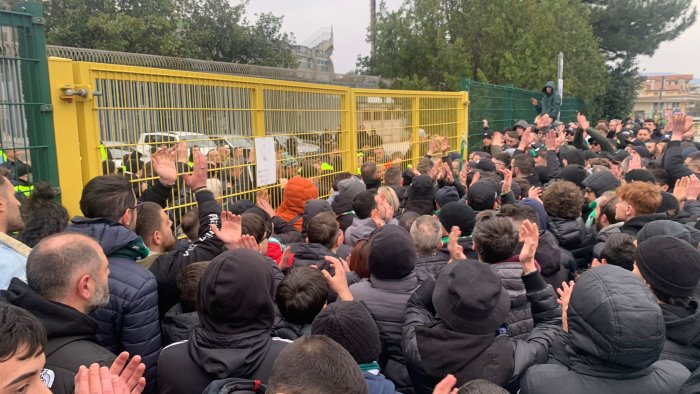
x: 298, y: 191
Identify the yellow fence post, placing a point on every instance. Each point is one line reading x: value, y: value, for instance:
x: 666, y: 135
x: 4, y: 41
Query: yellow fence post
x: 65, y: 122
x: 349, y: 132
x: 88, y: 126
x: 463, y: 116
x: 415, y: 125
x: 258, y: 111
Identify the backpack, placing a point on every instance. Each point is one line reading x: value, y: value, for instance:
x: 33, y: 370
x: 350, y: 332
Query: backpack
x: 235, y: 386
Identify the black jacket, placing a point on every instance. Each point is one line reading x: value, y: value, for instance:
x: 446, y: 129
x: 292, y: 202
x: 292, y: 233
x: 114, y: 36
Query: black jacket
x: 129, y: 322
x: 674, y: 162
x: 574, y: 236
x: 467, y: 245
x: 400, y: 193
x: 71, y: 335
x: 166, y: 267
x: 285, y: 232
x: 177, y: 324
x: 310, y: 254
x: 682, y: 335
x: 432, y: 350
x: 432, y: 264
x: 290, y: 331
x: 616, y: 334
x: 635, y: 224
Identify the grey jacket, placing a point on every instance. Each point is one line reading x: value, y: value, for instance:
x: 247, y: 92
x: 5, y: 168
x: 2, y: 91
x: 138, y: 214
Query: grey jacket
x: 386, y: 301
x: 361, y: 229
x: 519, y: 319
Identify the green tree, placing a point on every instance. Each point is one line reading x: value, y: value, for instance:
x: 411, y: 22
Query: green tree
x: 622, y: 84
x: 628, y: 28
x: 434, y: 43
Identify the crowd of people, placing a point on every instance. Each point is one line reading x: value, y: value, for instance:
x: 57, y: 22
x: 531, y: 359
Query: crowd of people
x: 555, y: 258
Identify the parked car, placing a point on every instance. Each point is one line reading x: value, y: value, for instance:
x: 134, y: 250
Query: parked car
x: 147, y: 140
x: 117, y: 150
x: 303, y: 148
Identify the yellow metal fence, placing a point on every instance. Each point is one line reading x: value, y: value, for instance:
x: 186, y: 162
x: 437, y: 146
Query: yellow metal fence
x: 109, y: 118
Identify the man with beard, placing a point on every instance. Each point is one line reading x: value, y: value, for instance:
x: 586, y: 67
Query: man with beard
x: 13, y: 254
x: 67, y: 279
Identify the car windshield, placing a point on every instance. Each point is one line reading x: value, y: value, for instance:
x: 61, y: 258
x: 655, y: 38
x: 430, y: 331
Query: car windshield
x: 118, y: 153
x: 200, y: 140
x: 239, y: 142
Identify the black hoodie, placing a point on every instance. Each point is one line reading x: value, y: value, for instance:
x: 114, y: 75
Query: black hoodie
x: 234, y: 338
x: 71, y: 336
x: 682, y: 334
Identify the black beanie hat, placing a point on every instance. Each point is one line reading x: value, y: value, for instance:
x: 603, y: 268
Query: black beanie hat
x: 458, y: 214
x: 446, y: 194
x: 573, y: 173
x: 392, y: 254
x: 481, y: 196
x: 486, y: 165
x: 469, y: 297
x: 670, y: 266
x: 422, y: 188
x: 640, y: 175
x: 351, y: 325
x: 669, y: 202
x: 601, y: 182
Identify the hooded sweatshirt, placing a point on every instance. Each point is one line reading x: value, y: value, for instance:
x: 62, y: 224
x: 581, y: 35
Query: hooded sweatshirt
x: 296, y: 193
x: 71, y: 336
x: 233, y: 339
x: 550, y: 102
x: 682, y: 334
x: 616, y: 334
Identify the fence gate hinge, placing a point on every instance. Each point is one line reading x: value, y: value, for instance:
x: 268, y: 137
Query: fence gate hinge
x: 46, y: 108
x: 37, y: 20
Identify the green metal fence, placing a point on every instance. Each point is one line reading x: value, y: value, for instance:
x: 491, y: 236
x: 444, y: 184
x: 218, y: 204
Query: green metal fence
x: 26, y: 122
x: 503, y: 105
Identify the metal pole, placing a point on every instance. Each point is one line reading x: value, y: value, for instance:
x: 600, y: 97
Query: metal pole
x: 372, y: 27
x: 560, y: 80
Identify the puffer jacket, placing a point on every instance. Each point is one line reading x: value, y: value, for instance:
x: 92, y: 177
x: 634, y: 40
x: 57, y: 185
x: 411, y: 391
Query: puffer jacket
x: 310, y: 254
x: 386, y: 301
x: 297, y: 192
x: 129, y: 322
x: 632, y: 226
x: 682, y: 334
x: 574, y: 236
x: 602, y: 237
x: 467, y: 245
x: 361, y: 229
x: 519, y: 320
x: 178, y: 324
x: 433, y: 350
x: 288, y: 330
x: 431, y: 264
x: 616, y: 334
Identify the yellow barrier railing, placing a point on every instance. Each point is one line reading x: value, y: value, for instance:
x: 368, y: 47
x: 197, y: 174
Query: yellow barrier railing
x: 109, y: 118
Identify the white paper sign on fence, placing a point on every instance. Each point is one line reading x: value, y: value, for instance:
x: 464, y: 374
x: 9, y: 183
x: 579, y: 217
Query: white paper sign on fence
x: 266, y: 169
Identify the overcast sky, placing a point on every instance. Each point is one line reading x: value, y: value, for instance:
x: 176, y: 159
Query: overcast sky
x: 350, y: 19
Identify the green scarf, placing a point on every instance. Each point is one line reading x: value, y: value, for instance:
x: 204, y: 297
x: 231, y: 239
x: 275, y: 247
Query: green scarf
x: 591, y: 216
x: 370, y: 366
x: 135, y: 250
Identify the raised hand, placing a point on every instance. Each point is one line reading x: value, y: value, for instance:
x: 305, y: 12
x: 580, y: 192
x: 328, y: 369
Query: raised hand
x: 449, y: 176
x: 550, y: 140
x: 635, y: 162
x: 263, y: 203
x: 680, y: 190
x: 377, y: 218
x: 529, y: 236
x: 339, y: 281
x: 693, y: 187
x: 198, y: 179
x: 533, y: 101
x: 249, y: 242
x: 98, y: 380
x: 497, y: 139
x: 456, y: 250
x: 163, y: 163
x: 231, y: 230
x: 475, y: 178
x: 534, y: 193
x: 564, y: 297
x: 582, y: 121
x: 131, y: 374
x: 446, y: 385
x: 507, y: 180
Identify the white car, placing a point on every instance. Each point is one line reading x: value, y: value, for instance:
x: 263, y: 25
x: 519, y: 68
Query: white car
x: 117, y: 150
x: 303, y: 148
x: 148, y: 140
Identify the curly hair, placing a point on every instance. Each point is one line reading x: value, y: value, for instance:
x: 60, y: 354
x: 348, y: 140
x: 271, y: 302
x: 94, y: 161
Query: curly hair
x: 563, y: 199
x: 644, y: 197
x: 42, y: 215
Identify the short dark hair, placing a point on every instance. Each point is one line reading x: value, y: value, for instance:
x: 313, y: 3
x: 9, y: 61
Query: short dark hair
x: 340, y: 177
x: 107, y: 196
x: 619, y: 250
x: 481, y: 386
x: 608, y: 209
x: 252, y: 224
x: 392, y: 176
x: 148, y: 220
x: 323, y: 229
x: 368, y: 170
x: 407, y: 218
x: 189, y: 223
x: 301, y: 295
x: 519, y: 212
x: 20, y: 330
x: 649, y: 120
x: 495, y: 239
x: 643, y: 128
x: 187, y: 281
x: 662, y: 176
x: 316, y: 364
x: 364, y: 203
x: 52, y: 262
x: 524, y: 163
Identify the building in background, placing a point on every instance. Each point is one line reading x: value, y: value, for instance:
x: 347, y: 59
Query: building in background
x: 315, y: 53
x: 667, y: 91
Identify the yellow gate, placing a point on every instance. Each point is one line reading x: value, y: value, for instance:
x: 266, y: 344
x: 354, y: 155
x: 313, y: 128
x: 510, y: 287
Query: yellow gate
x: 109, y: 118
